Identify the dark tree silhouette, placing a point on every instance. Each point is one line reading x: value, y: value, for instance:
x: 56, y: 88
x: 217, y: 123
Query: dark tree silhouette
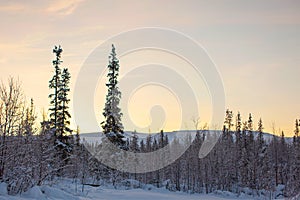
x: 112, y: 126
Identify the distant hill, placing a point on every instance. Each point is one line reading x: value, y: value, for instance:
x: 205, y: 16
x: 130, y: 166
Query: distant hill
x: 95, y: 137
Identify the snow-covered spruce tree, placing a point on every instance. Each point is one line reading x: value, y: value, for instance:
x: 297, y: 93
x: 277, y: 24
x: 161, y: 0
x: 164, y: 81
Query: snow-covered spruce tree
x: 251, y: 154
x: 260, y: 149
x: 54, y: 84
x: 228, y: 149
x: 112, y: 126
x: 238, y: 151
x: 283, y: 160
x: 59, y: 84
x: 59, y: 115
x: 293, y: 183
x: 63, y: 121
x: 244, y: 161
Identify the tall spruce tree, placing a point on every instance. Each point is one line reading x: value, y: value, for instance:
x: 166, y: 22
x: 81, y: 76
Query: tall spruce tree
x: 238, y: 150
x: 112, y: 126
x: 63, y: 100
x: 54, y: 84
x: 59, y: 84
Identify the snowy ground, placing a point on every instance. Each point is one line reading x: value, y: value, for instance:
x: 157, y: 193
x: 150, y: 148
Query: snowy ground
x: 66, y: 191
x: 112, y: 194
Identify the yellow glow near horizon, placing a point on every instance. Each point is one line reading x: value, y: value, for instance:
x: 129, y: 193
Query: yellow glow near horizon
x: 152, y: 107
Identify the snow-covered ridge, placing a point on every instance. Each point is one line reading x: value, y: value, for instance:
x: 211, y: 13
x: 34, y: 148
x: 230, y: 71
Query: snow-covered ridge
x: 95, y: 137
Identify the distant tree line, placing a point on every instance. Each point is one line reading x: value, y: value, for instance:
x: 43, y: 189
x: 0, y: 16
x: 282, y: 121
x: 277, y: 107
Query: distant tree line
x: 244, y: 160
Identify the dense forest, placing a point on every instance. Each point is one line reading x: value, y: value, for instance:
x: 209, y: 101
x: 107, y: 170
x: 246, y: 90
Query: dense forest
x: 36, y: 153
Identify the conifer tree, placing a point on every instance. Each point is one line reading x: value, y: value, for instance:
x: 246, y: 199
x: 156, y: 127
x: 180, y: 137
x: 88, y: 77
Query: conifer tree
x: 260, y: 134
x: 294, y: 176
x: 296, y: 131
x: 252, y: 172
x: 63, y: 101
x: 134, y: 147
x: 29, y: 120
x: 54, y: 84
x: 112, y: 126
x: 238, y: 127
x: 238, y: 149
x: 227, y: 156
x: 228, y: 121
x: 59, y: 84
x: 250, y: 123
x: 260, y: 156
x: 59, y: 116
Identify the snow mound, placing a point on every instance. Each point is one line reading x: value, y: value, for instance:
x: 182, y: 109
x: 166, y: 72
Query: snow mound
x: 34, y: 193
x: 130, y: 184
x: 3, y: 189
x: 57, y: 193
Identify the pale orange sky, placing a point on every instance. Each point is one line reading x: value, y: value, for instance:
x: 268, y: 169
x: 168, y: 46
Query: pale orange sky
x: 255, y: 45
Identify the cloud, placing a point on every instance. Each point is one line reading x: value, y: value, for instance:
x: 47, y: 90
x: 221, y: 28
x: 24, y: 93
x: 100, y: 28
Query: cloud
x: 63, y: 7
x: 13, y: 7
